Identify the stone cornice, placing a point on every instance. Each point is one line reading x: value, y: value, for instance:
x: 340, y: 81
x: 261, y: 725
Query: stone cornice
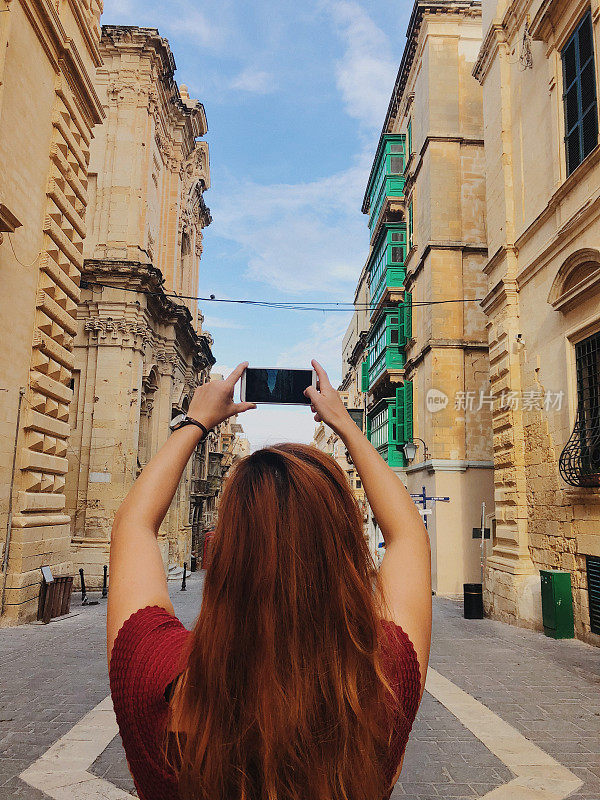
x: 358, y: 348
x: 501, y: 294
x: 554, y: 20
x: 588, y: 210
x: 63, y: 54
x: 495, y: 36
x: 444, y: 344
x: 132, y: 39
x: 420, y: 9
x: 470, y: 247
x: 148, y: 280
x: 415, y: 161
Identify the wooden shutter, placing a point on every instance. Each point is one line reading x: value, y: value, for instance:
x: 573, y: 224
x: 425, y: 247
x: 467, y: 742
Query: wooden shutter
x: 364, y: 377
x: 400, y: 415
x: 407, y: 315
x: 408, y: 411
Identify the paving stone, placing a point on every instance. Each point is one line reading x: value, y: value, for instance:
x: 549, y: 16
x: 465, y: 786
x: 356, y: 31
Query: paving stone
x: 548, y: 690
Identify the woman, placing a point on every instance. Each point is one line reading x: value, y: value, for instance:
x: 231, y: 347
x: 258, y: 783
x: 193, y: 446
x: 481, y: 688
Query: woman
x: 303, y: 674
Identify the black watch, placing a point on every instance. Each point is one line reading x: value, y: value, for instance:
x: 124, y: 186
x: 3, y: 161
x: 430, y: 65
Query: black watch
x: 182, y: 419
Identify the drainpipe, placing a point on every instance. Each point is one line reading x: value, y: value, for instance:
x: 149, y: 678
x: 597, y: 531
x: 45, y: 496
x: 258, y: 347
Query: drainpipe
x: 10, y: 496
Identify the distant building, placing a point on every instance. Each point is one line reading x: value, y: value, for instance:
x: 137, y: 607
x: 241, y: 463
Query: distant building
x: 139, y: 350
x: 422, y: 346
x: 329, y: 442
x: 49, y: 53
x: 538, y: 66
x: 211, y: 464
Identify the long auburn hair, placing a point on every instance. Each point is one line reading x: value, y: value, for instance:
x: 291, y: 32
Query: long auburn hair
x: 283, y: 695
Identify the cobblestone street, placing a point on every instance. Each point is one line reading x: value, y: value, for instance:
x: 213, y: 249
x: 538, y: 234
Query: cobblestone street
x: 497, y: 697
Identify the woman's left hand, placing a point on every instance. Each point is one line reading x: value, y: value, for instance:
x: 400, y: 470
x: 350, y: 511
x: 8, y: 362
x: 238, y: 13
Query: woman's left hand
x: 213, y: 403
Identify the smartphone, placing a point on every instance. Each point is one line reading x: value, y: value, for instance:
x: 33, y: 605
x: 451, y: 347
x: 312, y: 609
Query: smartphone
x: 264, y: 385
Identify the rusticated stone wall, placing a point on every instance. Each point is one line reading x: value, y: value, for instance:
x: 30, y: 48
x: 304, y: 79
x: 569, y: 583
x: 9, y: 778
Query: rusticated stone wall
x: 48, y: 107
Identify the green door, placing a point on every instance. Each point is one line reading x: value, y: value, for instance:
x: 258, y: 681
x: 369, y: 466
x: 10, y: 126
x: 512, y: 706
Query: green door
x: 548, y: 610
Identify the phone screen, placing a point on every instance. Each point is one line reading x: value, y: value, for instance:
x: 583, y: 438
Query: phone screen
x: 277, y: 385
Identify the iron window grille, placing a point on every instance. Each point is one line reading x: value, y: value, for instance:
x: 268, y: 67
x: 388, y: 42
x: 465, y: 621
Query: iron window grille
x: 579, y: 94
x: 579, y: 462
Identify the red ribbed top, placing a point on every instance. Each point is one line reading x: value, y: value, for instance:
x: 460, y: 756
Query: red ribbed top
x: 146, y: 657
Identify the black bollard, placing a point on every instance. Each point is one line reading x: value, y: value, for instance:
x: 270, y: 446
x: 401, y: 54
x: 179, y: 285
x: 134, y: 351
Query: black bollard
x: 183, y: 589
x: 105, y: 582
x: 83, y: 592
x: 84, y: 597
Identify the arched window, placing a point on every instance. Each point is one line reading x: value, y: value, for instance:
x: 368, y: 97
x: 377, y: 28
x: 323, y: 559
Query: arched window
x: 149, y: 388
x: 578, y: 280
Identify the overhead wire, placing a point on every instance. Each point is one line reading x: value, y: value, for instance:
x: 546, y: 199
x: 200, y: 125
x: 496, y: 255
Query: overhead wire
x: 308, y: 305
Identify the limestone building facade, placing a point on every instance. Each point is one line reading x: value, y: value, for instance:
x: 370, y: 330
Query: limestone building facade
x: 539, y: 66
x: 49, y: 53
x: 140, y: 350
x: 424, y: 336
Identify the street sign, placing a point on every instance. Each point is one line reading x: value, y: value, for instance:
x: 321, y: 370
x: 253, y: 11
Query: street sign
x: 477, y: 533
x: 422, y: 499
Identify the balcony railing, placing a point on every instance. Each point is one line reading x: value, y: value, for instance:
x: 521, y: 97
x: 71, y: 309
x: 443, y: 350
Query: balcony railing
x: 201, y: 487
x: 579, y: 462
x: 214, y: 463
x: 207, y: 487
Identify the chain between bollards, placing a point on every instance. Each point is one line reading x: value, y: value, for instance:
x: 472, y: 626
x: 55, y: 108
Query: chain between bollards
x: 183, y: 589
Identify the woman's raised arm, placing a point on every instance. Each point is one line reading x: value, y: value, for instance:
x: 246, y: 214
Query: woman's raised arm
x: 405, y: 571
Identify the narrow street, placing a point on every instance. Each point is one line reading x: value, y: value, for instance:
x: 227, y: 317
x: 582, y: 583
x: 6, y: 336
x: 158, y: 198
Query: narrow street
x: 508, y: 713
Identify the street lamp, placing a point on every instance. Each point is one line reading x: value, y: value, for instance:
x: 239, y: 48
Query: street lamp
x: 410, y: 449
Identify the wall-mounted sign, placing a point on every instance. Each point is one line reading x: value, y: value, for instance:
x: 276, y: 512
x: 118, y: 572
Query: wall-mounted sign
x: 47, y: 573
x: 99, y: 477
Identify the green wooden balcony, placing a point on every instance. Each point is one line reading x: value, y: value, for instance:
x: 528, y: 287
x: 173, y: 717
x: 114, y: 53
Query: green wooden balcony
x: 386, y: 264
x: 389, y: 425
x: 386, y: 346
x: 387, y: 176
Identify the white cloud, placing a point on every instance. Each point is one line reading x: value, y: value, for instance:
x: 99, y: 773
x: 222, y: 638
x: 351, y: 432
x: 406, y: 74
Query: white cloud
x: 300, y: 238
x: 307, y: 238
x: 255, y: 81
x: 365, y: 73
x: 193, y: 24
x: 323, y: 342
x: 212, y: 29
x: 211, y: 322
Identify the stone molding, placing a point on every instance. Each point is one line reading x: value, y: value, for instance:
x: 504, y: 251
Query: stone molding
x: 162, y: 309
x: 562, y: 299
x: 449, y: 465
x: 62, y: 52
x: 176, y: 105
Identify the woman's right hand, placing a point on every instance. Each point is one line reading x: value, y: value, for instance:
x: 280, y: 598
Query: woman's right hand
x: 326, y: 402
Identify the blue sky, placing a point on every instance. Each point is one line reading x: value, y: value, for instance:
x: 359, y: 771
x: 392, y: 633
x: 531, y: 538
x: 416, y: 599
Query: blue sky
x: 295, y: 96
